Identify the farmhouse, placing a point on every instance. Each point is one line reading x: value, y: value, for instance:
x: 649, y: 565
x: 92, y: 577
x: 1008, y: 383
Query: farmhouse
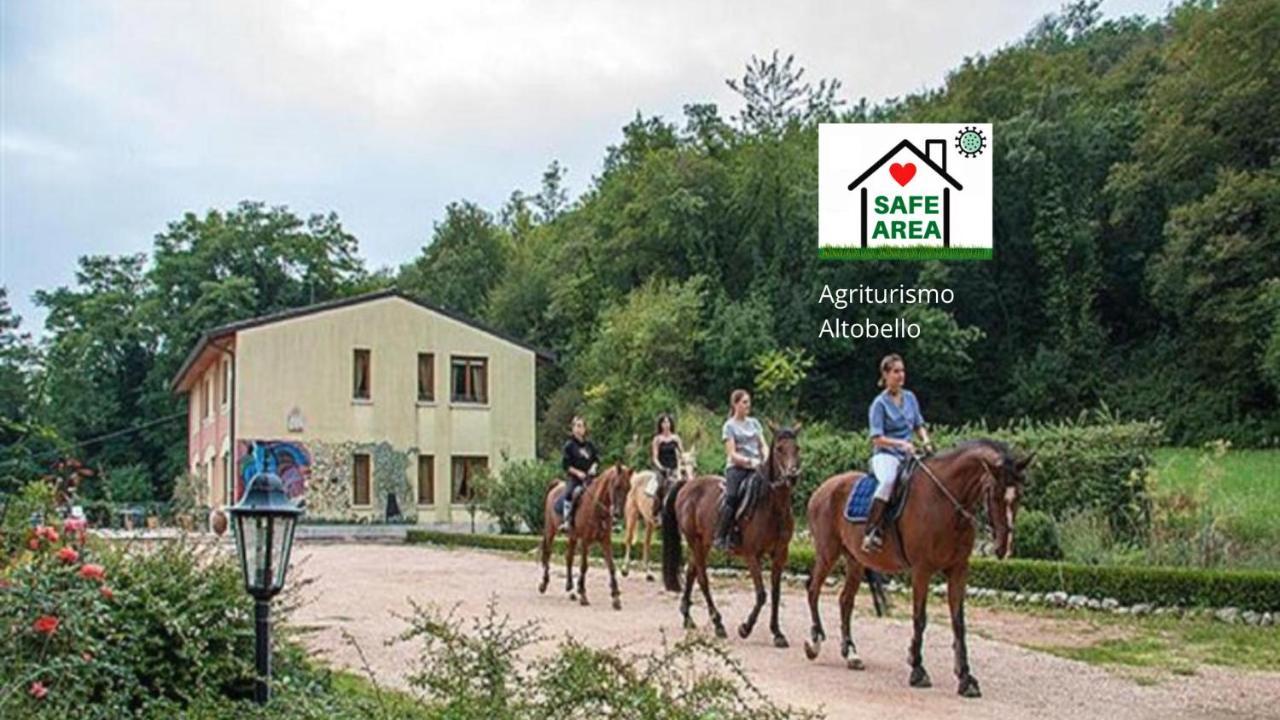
x: 367, y: 407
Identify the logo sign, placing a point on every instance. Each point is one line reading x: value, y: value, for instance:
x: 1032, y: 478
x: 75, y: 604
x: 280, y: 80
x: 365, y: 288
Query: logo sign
x: 902, y: 191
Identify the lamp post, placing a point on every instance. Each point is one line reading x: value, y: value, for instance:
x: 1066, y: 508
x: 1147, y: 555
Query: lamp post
x: 264, y: 521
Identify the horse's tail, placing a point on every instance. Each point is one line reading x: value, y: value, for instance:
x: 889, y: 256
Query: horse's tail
x: 671, y: 548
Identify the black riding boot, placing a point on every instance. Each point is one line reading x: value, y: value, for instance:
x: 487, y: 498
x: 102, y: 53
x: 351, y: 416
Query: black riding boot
x: 725, y: 539
x: 871, y: 541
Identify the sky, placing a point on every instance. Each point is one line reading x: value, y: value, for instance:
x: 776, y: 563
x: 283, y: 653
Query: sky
x: 118, y: 117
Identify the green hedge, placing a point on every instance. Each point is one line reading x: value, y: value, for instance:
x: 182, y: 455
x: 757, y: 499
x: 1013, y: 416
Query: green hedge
x: 1248, y: 590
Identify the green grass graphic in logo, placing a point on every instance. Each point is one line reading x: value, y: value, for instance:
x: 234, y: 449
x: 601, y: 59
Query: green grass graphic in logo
x: 911, y: 252
x: 971, y: 142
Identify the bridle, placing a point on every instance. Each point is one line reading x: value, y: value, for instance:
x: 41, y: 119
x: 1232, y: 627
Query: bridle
x: 988, y: 475
x: 774, y: 474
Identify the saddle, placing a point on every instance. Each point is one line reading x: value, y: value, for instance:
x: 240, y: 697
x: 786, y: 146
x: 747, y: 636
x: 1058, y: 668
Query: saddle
x: 859, y: 504
x: 566, y: 501
x: 752, y: 490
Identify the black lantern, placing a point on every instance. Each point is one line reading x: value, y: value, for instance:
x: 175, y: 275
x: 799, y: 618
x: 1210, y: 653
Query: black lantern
x: 264, y: 521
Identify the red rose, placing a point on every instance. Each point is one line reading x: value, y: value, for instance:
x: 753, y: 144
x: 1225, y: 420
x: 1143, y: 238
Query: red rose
x: 106, y: 592
x: 75, y: 526
x: 34, y: 543
x: 47, y: 533
x: 38, y: 690
x: 68, y: 555
x: 45, y: 624
x: 90, y: 571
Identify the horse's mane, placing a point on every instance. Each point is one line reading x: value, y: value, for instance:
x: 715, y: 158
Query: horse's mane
x: 996, y: 446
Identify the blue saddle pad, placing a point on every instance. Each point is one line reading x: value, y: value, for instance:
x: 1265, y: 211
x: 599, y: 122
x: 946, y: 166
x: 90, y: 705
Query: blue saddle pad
x: 864, y: 491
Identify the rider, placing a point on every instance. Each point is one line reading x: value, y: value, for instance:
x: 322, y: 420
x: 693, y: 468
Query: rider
x: 664, y: 451
x: 894, y: 419
x: 580, y: 463
x: 744, y: 450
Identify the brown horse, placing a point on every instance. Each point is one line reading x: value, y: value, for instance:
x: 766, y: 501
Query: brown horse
x: 592, y: 523
x: 935, y: 533
x: 691, y: 509
x: 642, y: 507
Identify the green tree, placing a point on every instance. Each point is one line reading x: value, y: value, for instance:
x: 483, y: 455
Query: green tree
x: 467, y: 256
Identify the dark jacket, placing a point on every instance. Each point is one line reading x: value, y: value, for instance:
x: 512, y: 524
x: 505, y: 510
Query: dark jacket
x: 580, y: 455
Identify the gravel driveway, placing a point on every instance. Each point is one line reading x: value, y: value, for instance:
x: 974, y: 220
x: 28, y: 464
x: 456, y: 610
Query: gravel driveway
x: 359, y: 589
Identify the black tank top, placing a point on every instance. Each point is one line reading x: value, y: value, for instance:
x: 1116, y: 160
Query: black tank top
x: 667, y: 454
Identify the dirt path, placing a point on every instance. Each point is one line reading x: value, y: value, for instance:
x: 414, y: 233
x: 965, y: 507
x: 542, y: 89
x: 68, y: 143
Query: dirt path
x: 358, y: 588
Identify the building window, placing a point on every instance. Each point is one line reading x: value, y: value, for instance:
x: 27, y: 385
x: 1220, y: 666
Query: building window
x: 361, y: 389
x: 360, y: 479
x: 426, y: 480
x: 465, y: 471
x: 426, y: 377
x: 206, y: 399
x: 470, y: 379
x: 226, y: 382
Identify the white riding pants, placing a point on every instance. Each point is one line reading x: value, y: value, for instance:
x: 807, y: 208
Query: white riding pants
x: 885, y: 467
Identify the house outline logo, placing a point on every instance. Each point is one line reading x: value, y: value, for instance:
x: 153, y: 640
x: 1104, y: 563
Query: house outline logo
x: 941, y: 171
x: 919, y: 191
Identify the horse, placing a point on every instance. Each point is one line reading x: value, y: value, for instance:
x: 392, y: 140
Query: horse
x: 692, y: 509
x: 640, y: 506
x: 935, y: 533
x: 592, y: 523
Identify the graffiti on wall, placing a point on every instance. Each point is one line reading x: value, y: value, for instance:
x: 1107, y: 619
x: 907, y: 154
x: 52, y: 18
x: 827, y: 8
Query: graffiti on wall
x: 289, y: 460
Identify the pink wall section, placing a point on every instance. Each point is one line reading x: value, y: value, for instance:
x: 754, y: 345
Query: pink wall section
x: 208, y: 436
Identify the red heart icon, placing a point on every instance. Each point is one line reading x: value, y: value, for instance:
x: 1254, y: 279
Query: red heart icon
x: 903, y: 173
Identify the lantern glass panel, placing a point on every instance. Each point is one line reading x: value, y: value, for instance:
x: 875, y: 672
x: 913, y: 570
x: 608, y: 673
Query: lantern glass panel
x: 281, y: 544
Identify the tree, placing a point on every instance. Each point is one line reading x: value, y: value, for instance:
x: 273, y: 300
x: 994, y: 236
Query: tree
x: 774, y: 95
x: 466, y: 258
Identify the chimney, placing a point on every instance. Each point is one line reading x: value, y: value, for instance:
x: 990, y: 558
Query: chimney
x: 936, y: 150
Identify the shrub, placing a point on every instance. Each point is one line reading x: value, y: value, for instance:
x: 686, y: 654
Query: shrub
x: 1036, y: 536
x: 517, y: 494
x: 129, y: 484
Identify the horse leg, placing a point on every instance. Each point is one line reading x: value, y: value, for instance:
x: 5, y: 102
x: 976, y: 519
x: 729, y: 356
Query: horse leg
x: 648, y: 540
x: 582, y: 574
x: 568, y: 566
x: 753, y: 566
x: 955, y: 598
x: 919, y: 598
x: 614, y: 592
x: 701, y: 554
x: 779, y: 562
x: 852, y: 580
x: 823, y: 560
x: 548, y: 536
x: 630, y: 536
x: 686, y: 600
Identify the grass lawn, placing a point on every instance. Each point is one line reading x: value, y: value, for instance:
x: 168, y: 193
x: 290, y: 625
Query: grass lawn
x: 829, y: 252
x: 1245, y: 492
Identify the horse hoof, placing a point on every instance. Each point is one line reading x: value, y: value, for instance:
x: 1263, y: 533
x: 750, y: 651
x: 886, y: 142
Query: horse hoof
x: 780, y: 641
x: 920, y: 678
x: 855, y: 663
x: 720, y: 632
x: 688, y: 623
x: 811, y: 649
x: 626, y: 572
x: 744, y: 631
x: 648, y: 576
x: 969, y: 688
x: 617, y: 603
x: 573, y: 595
x: 542, y: 587
x: 582, y: 600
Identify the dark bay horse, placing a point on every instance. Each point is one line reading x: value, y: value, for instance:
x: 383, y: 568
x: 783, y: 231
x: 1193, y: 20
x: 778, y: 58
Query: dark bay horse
x: 935, y: 534
x: 692, y: 508
x: 592, y: 523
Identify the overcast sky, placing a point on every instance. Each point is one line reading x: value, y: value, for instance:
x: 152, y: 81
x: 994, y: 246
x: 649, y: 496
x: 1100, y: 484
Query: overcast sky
x: 118, y: 117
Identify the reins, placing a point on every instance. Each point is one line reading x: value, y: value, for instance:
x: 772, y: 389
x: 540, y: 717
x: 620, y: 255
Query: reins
x: 960, y: 508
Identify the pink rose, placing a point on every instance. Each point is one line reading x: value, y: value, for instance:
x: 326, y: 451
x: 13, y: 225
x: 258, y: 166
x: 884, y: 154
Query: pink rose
x: 90, y: 571
x: 45, y: 624
x: 68, y: 555
x: 38, y: 690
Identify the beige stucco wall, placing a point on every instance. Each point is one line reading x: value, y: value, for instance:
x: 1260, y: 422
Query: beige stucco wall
x: 306, y: 363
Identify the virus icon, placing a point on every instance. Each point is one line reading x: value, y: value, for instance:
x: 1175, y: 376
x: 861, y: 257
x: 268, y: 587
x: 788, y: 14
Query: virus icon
x: 971, y: 142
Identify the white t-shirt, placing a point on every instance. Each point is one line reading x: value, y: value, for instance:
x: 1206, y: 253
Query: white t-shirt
x: 746, y: 437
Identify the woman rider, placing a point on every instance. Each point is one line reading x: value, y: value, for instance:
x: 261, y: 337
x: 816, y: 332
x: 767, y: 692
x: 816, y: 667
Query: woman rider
x: 894, y: 419
x: 580, y: 464
x: 664, y: 451
x: 744, y: 450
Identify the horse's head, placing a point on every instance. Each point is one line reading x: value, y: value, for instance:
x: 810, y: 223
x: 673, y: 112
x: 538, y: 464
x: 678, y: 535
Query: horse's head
x: 619, y: 479
x: 784, y: 455
x: 688, y: 465
x: 1007, y: 480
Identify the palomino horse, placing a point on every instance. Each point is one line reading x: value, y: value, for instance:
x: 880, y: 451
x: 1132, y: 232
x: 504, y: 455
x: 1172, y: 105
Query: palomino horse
x: 934, y: 534
x: 640, y: 506
x: 692, y: 508
x: 592, y: 523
